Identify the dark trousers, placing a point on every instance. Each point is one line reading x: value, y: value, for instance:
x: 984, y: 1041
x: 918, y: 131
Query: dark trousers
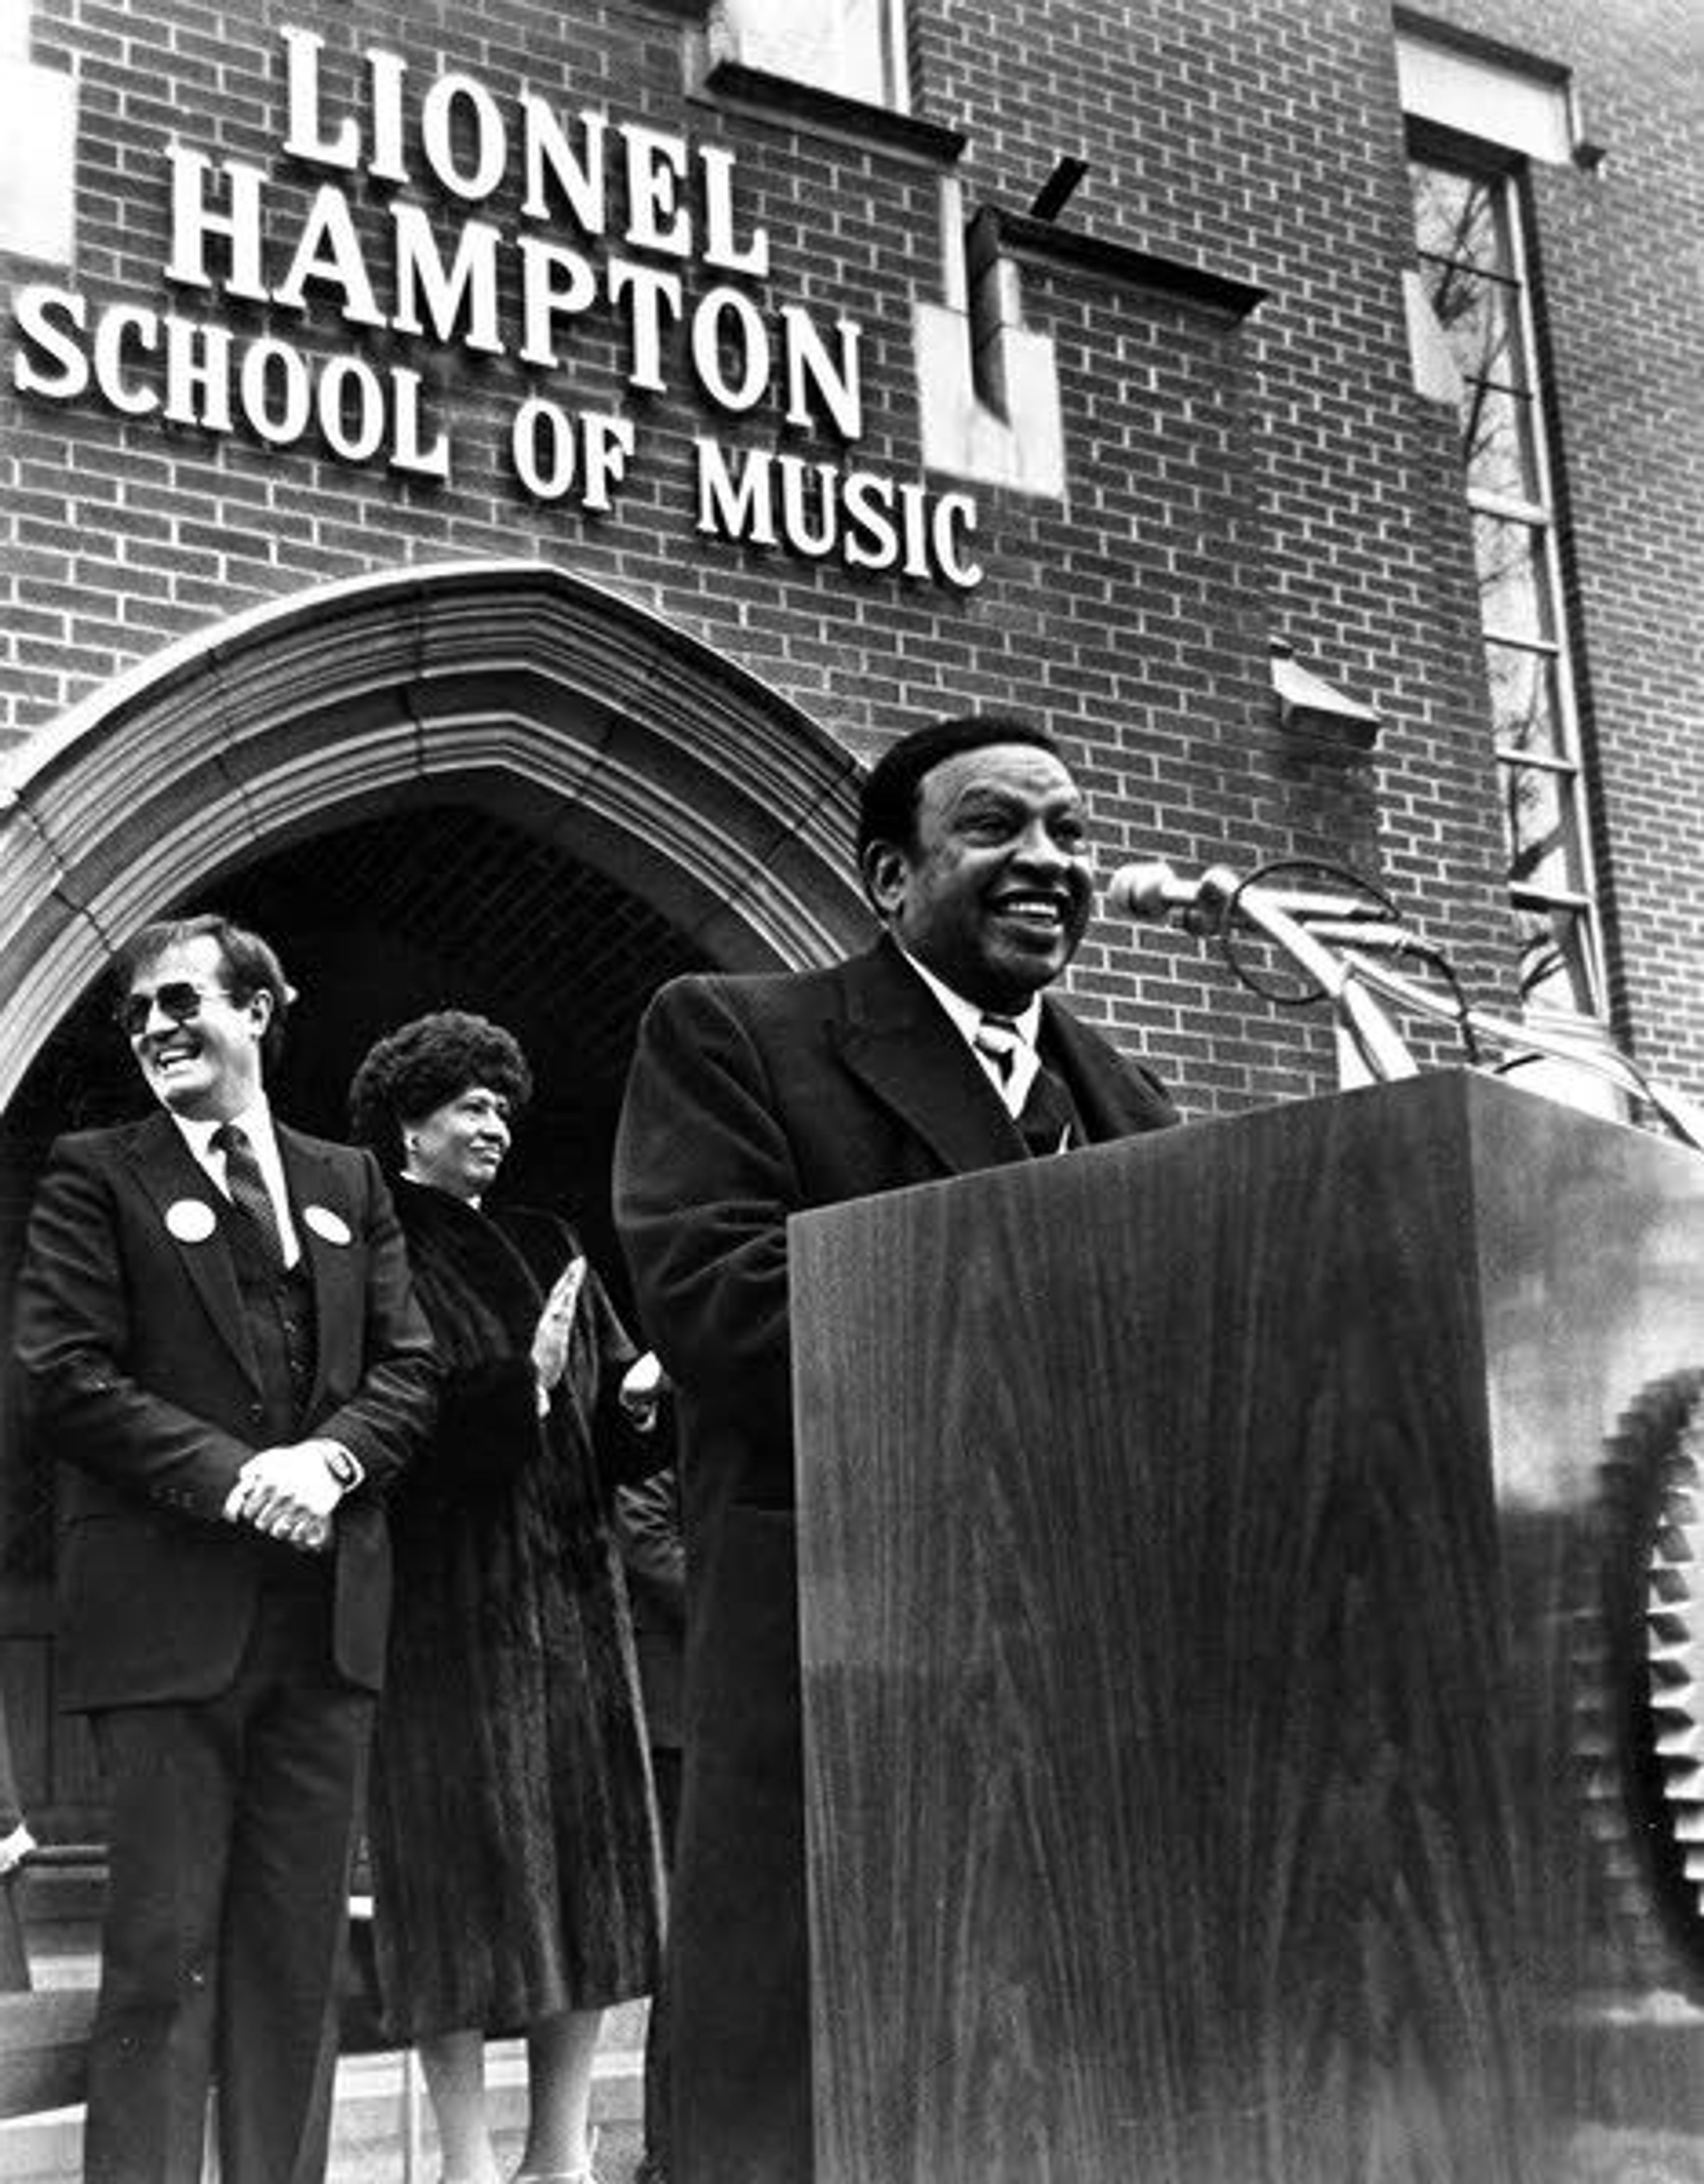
x: 738, y: 1949
x: 233, y: 1820
x: 665, y: 1770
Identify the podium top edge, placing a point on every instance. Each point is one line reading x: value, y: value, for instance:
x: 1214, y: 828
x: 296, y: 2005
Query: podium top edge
x: 1458, y: 1098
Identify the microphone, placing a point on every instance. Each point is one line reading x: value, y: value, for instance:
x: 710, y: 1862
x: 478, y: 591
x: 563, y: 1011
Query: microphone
x: 1152, y: 893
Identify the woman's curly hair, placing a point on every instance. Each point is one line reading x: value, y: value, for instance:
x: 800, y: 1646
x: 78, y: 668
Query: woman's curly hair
x: 421, y: 1065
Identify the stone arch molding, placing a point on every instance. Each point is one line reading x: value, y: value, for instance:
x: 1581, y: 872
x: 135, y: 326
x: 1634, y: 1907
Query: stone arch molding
x: 587, y: 720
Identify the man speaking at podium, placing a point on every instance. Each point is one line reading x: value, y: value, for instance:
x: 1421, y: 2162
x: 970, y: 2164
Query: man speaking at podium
x: 753, y: 1098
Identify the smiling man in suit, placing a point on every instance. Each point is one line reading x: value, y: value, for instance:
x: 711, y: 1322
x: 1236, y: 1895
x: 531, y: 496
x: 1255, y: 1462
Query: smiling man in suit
x: 222, y: 1349
x: 751, y: 1099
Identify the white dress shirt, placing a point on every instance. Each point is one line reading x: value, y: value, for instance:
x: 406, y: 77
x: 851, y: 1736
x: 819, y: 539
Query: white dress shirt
x: 967, y: 1017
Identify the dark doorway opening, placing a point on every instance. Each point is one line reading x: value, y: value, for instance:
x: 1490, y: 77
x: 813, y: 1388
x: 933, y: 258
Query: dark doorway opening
x: 434, y: 906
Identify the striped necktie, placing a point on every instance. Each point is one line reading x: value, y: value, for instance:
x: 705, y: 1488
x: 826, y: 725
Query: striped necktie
x: 1046, y: 1118
x: 248, y: 1188
x: 1049, y: 1121
x: 997, y: 1040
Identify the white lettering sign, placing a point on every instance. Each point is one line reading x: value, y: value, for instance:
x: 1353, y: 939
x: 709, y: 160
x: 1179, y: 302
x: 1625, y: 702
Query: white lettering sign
x: 544, y: 241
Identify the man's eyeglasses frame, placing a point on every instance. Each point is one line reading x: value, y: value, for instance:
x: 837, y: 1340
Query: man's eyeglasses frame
x: 180, y: 999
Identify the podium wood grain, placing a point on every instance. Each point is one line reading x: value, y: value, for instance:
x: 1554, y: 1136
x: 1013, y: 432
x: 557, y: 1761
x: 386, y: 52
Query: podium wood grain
x: 1194, y: 1537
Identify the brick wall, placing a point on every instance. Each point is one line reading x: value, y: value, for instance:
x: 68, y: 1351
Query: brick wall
x: 1227, y: 484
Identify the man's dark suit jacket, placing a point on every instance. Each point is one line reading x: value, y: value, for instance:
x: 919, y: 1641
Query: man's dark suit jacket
x: 752, y: 1099
x: 140, y: 1383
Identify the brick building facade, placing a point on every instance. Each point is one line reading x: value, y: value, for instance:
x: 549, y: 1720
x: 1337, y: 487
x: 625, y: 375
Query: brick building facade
x: 475, y: 483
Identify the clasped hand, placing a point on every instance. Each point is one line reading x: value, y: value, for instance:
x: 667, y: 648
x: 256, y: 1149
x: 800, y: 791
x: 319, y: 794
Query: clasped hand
x: 288, y: 1494
x: 641, y: 1391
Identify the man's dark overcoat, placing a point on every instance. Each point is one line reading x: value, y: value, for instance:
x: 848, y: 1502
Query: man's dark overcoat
x: 753, y: 1098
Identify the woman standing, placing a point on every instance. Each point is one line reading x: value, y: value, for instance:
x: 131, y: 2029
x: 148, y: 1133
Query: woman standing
x: 515, y: 1874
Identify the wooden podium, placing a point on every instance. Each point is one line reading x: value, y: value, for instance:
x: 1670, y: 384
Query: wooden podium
x: 1210, y: 1773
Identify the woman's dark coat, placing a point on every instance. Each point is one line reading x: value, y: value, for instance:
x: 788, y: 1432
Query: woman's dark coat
x: 515, y: 1860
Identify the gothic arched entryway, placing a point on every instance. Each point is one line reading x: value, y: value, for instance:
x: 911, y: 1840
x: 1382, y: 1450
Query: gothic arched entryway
x: 490, y: 785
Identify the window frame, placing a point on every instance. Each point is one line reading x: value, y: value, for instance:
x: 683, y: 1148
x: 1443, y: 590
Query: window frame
x: 740, y: 40
x: 1552, y: 643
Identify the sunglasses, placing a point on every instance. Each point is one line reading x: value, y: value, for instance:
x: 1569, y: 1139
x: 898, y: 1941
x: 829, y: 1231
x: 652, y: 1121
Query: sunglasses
x: 177, y: 999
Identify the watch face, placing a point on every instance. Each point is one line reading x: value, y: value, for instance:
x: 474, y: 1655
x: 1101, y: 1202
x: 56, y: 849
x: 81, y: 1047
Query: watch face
x: 344, y: 1467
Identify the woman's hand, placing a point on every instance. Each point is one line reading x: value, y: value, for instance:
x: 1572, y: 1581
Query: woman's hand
x: 555, y: 1326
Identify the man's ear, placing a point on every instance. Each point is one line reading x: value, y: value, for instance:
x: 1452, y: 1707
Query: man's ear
x: 883, y: 872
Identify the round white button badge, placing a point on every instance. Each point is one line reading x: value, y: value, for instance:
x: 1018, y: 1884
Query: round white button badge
x: 191, y: 1220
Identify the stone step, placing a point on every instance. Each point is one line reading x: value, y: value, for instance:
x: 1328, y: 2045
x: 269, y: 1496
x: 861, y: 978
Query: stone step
x: 380, y: 2101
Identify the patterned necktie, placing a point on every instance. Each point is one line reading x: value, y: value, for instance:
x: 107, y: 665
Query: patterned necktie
x: 997, y: 1040
x: 247, y: 1189
x: 1049, y: 1121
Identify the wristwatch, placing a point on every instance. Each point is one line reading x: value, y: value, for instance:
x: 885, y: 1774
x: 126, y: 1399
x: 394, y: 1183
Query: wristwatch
x: 342, y: 1467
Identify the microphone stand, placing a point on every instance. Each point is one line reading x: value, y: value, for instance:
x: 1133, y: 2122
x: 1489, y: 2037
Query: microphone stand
x: 1683, y: 1115
x: 1375, y: 1038
x: 1328, y: 937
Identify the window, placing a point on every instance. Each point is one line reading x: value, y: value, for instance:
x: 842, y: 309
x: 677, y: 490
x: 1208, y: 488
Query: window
x: 856, y: 48
x: 39, y: 148
x: 1458, y: 80
x: 1472, y: 271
